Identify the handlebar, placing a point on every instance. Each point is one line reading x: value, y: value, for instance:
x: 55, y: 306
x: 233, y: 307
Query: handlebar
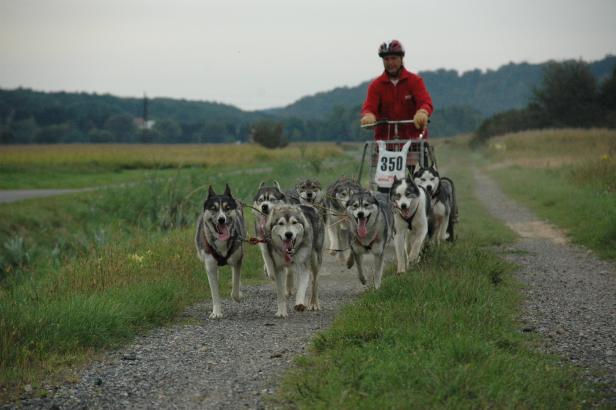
x: 388, y: 122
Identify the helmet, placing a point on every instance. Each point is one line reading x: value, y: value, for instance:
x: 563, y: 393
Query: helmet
x: 393, y: 48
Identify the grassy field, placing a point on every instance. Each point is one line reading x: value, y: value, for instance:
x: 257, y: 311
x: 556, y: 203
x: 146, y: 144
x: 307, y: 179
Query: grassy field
x: 441, y: 336
x: 76, y: 166
x: 84, y: 272
x: 566, y: 176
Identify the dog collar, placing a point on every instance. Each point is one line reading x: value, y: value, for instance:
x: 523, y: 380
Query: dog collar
x: 220, y: 259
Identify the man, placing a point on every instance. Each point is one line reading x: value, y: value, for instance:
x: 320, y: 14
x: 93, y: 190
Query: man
x: 396, y: 95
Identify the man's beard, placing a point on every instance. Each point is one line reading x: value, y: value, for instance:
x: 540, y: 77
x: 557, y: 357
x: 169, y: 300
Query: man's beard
x: 395, y: 73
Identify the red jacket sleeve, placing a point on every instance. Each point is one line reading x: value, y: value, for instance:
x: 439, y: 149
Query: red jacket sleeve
x: 371, y: 105
x: 421, y: 95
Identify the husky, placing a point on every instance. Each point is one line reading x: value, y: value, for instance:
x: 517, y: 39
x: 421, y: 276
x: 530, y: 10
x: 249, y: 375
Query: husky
x: 443, y: 197
x: 295, y: 245
x: 308, y: 192
x: 266, y: 198
x: 219, y: 241
x: 336, y: 200
x: 412, y: 208
x: 371, y: 228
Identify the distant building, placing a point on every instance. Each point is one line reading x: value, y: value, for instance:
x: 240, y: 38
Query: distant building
x: 143, y: 125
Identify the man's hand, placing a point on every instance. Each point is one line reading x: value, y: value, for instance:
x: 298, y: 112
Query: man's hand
x: 367, y: 119
x: 420, y: 119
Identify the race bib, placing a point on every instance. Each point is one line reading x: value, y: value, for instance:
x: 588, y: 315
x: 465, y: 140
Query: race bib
x: 390, y: 164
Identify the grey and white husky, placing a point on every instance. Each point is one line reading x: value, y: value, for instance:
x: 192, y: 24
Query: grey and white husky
x: 412, y: 208
x: 219, y: 242
x: 338, y: 195
x: 266, y: 198
x: 295, y: 245
x: 370, y: 229
x: 443, y: 198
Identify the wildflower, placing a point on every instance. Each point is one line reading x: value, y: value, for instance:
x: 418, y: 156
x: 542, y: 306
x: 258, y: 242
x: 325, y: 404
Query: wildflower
x: 605, y: 157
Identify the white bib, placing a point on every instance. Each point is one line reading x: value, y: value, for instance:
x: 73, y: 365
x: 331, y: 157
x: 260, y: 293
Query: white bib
x: 390, y: 164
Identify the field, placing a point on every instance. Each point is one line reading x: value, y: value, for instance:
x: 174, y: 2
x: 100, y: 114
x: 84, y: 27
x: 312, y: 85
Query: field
x: 85, y: 272
x: 567, y: 176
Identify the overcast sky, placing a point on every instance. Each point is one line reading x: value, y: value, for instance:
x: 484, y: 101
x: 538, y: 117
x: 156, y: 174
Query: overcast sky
x: 267, y: 53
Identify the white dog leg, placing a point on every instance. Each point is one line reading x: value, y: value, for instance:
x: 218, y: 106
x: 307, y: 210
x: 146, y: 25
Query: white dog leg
x: 415, y: 243
x: 360, y: 269
x: 212, y: 275
x: 267, y: 261
x: 379, y: 265
x: 401, y: 253
x: 281, y: 279
x: 236, y: 294
x: 332, y: 235
x: 314, y: 296
x: 302, y: 284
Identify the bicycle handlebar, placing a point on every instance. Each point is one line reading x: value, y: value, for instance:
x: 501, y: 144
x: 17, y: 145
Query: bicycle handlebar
x: 388, y: 122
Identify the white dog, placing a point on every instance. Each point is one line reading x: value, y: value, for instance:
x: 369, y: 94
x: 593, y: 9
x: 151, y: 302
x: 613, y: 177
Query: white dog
x: 412, y: 207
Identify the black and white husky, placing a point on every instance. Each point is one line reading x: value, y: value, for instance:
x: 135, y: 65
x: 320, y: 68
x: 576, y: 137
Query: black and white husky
x: 338, y: 195
x: 443, y: 197
x: 219, y: 241
x: 295, y: 245
x: 308, y: 192
x: 266, y: 198
x: 370, y: 229
x: 411, y: 210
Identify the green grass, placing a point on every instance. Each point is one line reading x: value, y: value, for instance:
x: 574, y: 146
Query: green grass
x: 89, y: 271
x: 567, y: 177
x: 441, y: 336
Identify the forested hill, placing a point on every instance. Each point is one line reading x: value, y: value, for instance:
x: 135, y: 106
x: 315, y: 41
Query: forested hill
x: 489, y: 92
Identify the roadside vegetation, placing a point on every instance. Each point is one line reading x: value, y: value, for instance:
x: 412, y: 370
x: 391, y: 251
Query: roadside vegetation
x: 84, y: 272
x: 566, y: 176
x: 441, y: 336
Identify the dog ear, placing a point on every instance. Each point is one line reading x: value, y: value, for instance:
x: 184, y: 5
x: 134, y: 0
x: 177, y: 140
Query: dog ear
x: 261, y: 184
x: 210, y: 192
x: 277, y: 185
x: 228, y: 191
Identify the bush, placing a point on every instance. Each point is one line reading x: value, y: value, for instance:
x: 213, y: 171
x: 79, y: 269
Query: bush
x: 269, y: 134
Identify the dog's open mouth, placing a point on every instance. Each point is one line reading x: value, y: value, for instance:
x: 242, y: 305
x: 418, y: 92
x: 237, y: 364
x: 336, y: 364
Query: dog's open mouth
x: 406, y: 212
x: 362, y: 226
x: 288, y: 248
x: 223, y: 231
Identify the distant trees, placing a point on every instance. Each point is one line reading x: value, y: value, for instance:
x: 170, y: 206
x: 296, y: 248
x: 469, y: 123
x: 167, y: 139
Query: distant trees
x: 568, y: 96
x: 269, y: 134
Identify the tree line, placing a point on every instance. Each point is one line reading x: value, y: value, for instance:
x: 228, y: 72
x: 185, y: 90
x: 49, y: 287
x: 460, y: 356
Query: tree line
x: 568, y: 96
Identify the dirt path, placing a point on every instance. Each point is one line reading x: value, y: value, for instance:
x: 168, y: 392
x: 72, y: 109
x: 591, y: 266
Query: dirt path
x: 570, y: 293
x: 20, y: 194
x: 224, y: 364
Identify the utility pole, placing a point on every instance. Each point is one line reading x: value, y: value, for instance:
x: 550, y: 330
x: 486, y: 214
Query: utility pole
x: 145, y: 110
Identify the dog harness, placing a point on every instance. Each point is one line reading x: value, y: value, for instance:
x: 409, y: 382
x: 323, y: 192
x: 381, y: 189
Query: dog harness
x: 410, y: 220
x: 372, y: 241
x: 220, y: 259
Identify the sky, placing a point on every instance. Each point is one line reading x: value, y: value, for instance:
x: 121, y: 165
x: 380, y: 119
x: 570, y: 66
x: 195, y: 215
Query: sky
x: 258, y: 54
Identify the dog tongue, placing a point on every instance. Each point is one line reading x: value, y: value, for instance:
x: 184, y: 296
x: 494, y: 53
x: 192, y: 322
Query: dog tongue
x: 223, y: 232
x: 287, y: 247
x: 362, y: 230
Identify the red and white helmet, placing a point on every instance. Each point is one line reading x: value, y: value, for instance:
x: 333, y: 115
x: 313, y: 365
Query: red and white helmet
x: 393, y: 48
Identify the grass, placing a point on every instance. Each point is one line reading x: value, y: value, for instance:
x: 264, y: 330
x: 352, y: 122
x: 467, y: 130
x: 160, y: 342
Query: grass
x: 565, y: 176
x: 441, y: 336
x: 86, y: 272
x: 75, y: 166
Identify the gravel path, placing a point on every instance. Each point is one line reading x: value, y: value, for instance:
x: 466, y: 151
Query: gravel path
x: 570, y: 293
x: 223, y: 364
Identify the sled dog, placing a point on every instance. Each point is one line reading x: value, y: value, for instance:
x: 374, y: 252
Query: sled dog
x: 295, y: 245
x: 266, y: 198
x: 219, y: 236
x: 443, y: 198
x: 336, y: 200
x: 370, y: 229
x: 411, y: 209
x: 308, y: 192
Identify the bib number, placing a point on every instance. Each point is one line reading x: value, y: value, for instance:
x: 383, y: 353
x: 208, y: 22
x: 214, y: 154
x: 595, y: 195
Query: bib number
x: 391, y: 165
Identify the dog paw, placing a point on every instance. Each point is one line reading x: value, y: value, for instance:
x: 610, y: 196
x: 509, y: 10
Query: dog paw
x: 300, y: 308
x: 362, y: 280
x: 333, y: 253
x: 237, y: 296
x: 281, y: 315
x: 216, y: 315
x: 349, y: 262
x: 314, y: 307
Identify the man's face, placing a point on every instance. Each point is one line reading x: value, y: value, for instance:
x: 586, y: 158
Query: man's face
x: 392, y: 64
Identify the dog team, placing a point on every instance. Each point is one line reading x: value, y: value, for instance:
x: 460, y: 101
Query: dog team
x: 290, y: 228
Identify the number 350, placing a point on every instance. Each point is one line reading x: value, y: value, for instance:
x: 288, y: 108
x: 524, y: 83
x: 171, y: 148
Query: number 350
x: 391, y: 164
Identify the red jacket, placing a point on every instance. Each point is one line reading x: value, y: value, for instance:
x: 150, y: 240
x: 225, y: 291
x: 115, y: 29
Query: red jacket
x: 397, y: 102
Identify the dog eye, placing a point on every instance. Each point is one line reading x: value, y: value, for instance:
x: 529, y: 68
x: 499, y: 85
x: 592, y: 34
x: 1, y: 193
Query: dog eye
x: 294, y: 222
x: 281, y: 223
